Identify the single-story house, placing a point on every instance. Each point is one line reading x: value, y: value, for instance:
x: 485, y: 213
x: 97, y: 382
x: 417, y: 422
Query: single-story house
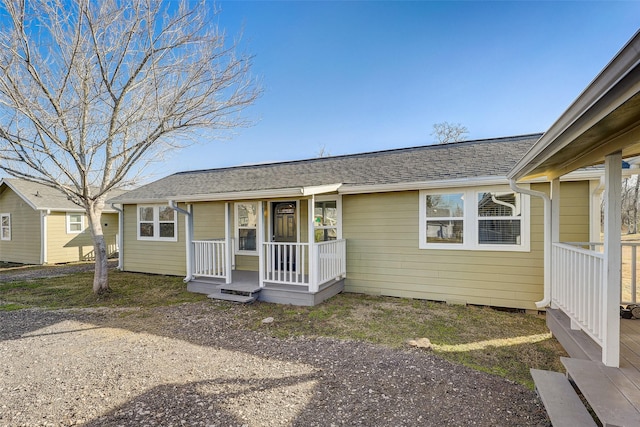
x: 436, y: 222
x: 39, y: 225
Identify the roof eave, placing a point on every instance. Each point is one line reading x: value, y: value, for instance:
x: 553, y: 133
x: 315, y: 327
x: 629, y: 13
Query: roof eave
x: 560, y: 133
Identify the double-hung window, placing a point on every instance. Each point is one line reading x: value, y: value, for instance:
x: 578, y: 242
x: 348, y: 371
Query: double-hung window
x: 5, y: 226
x: 499, y: 218
x: 325, y: 220
x: 494, y: 218
x: 75, y: 222
x: 444, y: 216
x: 157, y: 223
x: 246, y: 228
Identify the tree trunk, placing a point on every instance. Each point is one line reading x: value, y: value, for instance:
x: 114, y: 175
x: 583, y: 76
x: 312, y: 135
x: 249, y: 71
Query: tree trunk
x: 100, y: 277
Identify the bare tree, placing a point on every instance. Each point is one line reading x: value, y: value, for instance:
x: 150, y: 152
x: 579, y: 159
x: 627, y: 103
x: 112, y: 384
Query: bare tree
x: 90, y: 92
x: 446, y: 132
x: 323, y: 151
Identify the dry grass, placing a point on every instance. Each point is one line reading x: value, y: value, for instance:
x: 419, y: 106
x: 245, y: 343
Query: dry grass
x: 498, y: 342
x: 627, y: 268
x: 502, y: 343
x: 75, y: 291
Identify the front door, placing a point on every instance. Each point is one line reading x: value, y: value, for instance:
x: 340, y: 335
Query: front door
x: 284, y: 222
x: 285, y: 230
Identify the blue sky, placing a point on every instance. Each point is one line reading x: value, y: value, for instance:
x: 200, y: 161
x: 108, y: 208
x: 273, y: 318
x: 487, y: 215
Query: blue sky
x: 365, y: 76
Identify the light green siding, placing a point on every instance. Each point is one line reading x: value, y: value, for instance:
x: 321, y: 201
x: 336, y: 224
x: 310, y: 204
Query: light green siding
x: 383, y: 256
x: 151, y: 256
x: 574, y: 211
x: 24, y: 246
x: 73, y: 247
x: 208, y: 220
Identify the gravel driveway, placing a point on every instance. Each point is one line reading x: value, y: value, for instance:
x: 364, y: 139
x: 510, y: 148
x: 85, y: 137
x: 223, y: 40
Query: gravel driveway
x: 187, y: 365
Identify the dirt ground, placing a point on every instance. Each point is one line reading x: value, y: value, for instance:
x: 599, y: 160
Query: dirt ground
x: 188, y: 365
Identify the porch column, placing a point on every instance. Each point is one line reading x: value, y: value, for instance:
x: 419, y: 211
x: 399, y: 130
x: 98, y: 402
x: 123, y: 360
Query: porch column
x: 259, y: 245
x: 188, y: 224
x: 555, y: 210
x: 555, y: 235
x: 313, y: 281
x: 612, y: 255
x: 228, y: 243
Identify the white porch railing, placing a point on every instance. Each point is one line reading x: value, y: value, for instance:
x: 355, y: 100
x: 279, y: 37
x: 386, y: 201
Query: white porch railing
x: 331, y: 259
x: 629, y: 276
x: 291, y: 264
x: 210, y: 258
x: 285, y: 263
x: 578, y: 287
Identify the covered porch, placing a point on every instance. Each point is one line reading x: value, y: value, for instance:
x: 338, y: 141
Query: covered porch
x: 286, y: 274
x: 286, y: 250
x: 583, y: 281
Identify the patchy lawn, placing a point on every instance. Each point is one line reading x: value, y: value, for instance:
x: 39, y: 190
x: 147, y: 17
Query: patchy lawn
x: 498, y: 342
x: 76, y: 291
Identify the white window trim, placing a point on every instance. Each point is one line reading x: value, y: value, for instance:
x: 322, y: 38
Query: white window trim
x: 68, y: 221
x: 156, y: 224
x: 470, y: 221
x: 338, y: 226
x: 236, y: 231
x: 2, y: 216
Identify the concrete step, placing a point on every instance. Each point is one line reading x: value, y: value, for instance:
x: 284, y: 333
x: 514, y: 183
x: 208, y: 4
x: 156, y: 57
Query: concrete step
x: 240, y: 289
x: 232, y: 297
x: 564, y: 407
x: 609, y: 403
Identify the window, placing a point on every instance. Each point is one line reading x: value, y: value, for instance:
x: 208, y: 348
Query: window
x: 157, y: 223
x: 75, y: 223
x: 499, y: 218
x: 325, y: 220
x: 474, y: 219
x: 445, y: 218
x: 5, y: 226
x: 246, y: 227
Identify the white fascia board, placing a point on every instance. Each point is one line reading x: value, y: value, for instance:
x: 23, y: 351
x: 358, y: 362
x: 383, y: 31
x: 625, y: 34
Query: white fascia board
x: 241, y: 195
x: 621, y: 65
x: 62, y: 210
x: 425, y: 185
x: 320, y: 189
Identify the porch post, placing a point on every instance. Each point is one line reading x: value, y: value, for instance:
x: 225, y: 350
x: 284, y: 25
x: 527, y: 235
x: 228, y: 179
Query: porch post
x: 555, y: 235
x: 612, y: 255
x: 313, y: 281
x: 228, y: 243
x: 259, y: 245
x: 188, y: 223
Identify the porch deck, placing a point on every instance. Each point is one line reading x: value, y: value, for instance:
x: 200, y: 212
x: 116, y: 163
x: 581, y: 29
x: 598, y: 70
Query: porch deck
x: 249, y: 281
x: 613, y: 393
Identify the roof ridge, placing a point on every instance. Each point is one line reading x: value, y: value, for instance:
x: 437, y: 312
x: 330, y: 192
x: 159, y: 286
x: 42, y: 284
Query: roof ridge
x: 363, y: 154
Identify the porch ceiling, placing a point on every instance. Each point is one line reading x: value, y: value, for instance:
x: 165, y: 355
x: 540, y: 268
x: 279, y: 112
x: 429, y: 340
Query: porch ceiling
x: 604, y: 119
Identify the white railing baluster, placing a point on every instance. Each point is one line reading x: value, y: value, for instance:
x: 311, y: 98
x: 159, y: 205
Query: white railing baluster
x: 209, y: 258
x: 287, y: 263
x: 579, y: 283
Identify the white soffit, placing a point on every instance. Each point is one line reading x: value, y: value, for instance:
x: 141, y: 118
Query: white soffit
x: 320, y: 189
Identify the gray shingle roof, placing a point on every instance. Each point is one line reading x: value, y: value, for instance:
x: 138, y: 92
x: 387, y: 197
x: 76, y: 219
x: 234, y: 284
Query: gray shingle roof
x: 468, y: 159
x: 42, y: 197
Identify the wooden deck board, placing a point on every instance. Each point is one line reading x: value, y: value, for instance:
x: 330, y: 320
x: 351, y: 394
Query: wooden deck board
x: 614, y: 393
x: 563, y: 405
x: 604, y: 390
